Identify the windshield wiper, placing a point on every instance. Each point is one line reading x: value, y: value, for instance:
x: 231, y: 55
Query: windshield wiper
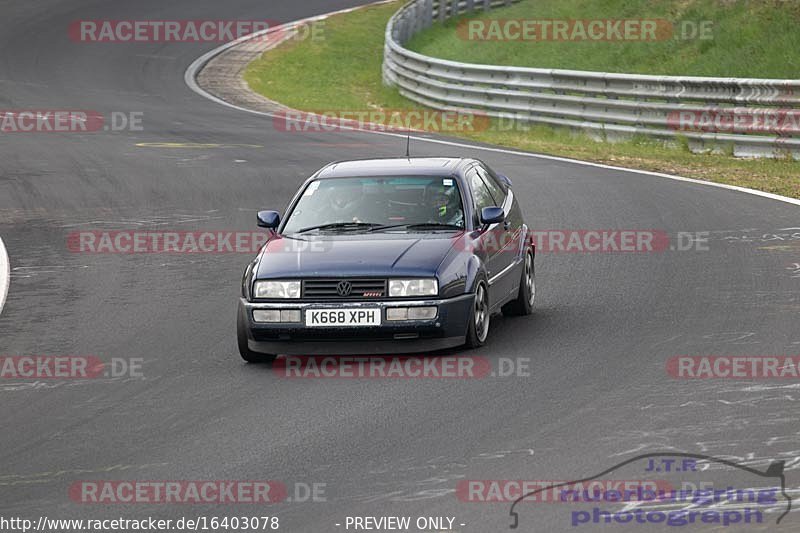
x: 425, y: 225
x: 340, y: 225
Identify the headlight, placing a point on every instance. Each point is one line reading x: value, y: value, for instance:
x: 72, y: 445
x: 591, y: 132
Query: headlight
x: 401, y: 288
x: 277, y: 289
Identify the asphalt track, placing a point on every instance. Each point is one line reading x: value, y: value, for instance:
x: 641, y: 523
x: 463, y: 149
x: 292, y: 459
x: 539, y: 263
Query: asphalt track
x: 605, y: 326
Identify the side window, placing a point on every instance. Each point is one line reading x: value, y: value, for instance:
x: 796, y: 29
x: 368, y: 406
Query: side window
x: 497, y: 193
x: 480, y: 192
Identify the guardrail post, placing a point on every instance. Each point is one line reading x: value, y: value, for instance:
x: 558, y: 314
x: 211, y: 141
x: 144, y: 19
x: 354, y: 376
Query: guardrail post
x: 403, y: 32
x: 413, y: 25
x: 443, y: 10
x: 427, y: 14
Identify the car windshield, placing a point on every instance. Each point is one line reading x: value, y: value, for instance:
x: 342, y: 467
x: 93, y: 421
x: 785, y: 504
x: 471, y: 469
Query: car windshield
x: 375, y: 204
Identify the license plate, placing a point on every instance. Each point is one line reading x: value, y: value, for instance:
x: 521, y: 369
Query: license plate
x: 343, y: 317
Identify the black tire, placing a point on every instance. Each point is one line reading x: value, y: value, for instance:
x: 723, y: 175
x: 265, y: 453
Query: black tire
x: 523, y: 305
x: 244, y: 350
x: 479, y: 318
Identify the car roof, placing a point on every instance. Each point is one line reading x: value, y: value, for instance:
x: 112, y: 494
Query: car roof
x: 399, y: 166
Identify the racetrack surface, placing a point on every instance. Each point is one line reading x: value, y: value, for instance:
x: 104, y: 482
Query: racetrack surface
x: 605, y: 325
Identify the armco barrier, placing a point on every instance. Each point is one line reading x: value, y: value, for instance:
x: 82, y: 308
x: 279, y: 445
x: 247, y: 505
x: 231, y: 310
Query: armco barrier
x: 751, y: 117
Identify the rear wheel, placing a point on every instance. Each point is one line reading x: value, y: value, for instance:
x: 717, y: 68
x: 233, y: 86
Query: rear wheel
x: 523, y: 305
x: 244, y: 350
x: 479, y: 318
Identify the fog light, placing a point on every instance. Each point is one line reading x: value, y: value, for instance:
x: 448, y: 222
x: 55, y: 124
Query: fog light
x: 290, y: 315
x: 267, y: 315
x: 421, y: 313
x: 397, y: 313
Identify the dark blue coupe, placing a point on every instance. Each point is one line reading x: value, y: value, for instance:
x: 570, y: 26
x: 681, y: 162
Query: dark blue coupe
x: 387, y: 256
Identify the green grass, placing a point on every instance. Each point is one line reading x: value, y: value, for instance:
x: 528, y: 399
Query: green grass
x: 750, y: 39
x: 343, y: 72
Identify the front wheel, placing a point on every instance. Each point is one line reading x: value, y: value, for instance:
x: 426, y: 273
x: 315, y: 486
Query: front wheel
x: 479, y: 318
x: 523, y: 304
x: 244, y: 350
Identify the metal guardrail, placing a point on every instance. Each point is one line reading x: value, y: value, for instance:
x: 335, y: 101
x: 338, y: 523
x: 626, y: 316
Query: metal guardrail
x: 751, y: 117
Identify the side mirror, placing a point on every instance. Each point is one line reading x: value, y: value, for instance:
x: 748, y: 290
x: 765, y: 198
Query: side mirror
x: 505, y: 179
x: 269, y: 219
x: 492, y: 215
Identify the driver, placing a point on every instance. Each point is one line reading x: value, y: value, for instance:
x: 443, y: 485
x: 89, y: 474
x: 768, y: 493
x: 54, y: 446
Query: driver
x: 346, y: 203
x: 444, y: 205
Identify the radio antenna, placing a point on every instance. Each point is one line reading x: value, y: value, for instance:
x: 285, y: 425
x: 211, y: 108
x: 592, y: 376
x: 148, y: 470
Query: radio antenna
x: 408, y: 146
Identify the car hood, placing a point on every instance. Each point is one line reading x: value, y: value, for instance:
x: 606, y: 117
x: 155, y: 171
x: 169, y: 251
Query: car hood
x: 355, y: 255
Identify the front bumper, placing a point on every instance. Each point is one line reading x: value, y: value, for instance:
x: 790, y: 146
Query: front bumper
x: 447, y: 330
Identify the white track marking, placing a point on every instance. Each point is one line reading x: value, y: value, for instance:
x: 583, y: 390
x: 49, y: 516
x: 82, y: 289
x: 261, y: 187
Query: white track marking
x: 191, y: 74
x: 5, y: 274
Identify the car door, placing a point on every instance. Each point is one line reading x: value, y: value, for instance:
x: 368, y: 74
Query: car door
x: 512, y: 236
x: 493, y: 239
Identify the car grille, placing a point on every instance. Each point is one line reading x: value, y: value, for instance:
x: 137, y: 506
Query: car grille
x: 343, y: 289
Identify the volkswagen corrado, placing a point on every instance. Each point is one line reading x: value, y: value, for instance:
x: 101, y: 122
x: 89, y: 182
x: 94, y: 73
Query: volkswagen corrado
x: 387, y: 256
